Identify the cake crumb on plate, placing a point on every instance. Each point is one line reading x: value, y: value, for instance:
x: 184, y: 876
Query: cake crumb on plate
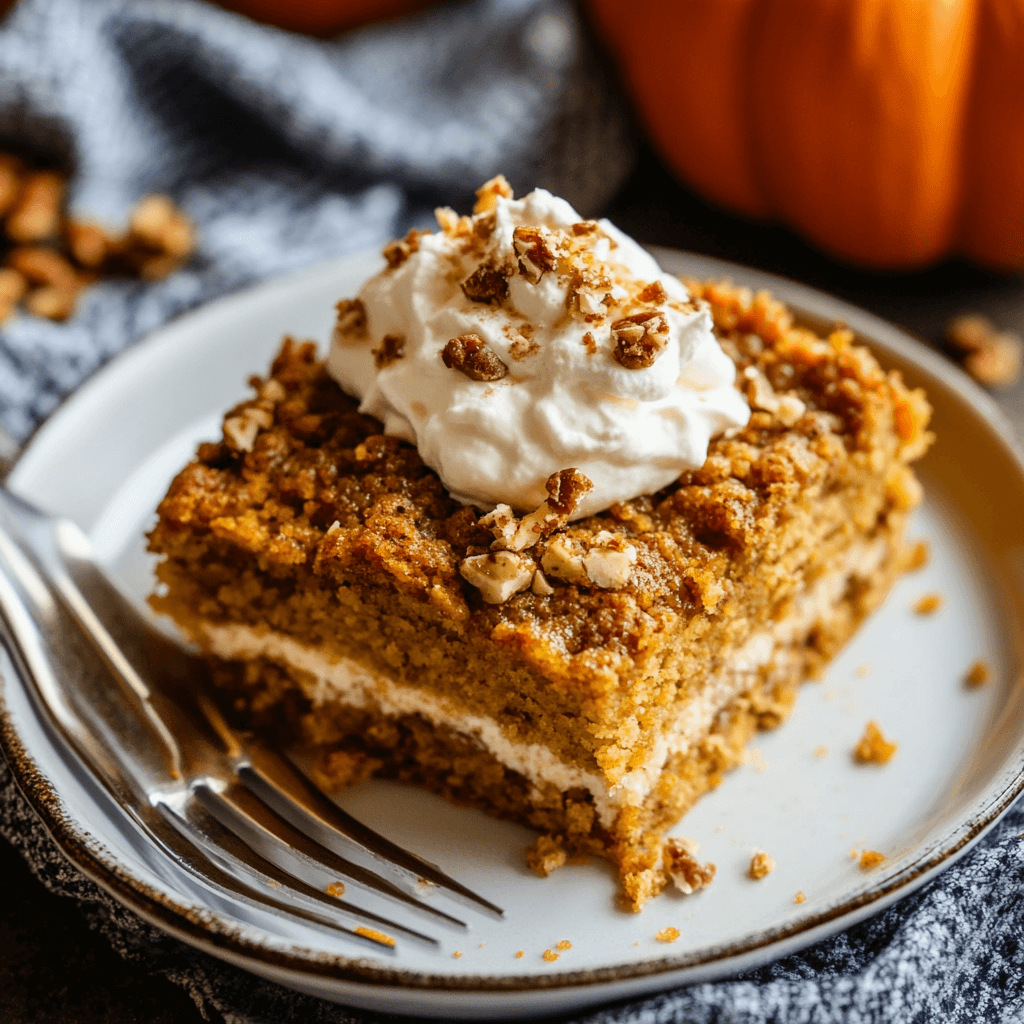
x: 761, y: 864
x: 873, y: 747
x: 799, y: 897
x: 928, y: 605
x: 667, y: 934
x: 372, y: 933
x: 550, y: 955
x: 870, y: 859
x: 918, y: 556
x: 545, y: 855
x: 977, y: 675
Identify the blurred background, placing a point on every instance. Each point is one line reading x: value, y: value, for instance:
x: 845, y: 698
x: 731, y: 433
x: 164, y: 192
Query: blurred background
x: 157, y: 154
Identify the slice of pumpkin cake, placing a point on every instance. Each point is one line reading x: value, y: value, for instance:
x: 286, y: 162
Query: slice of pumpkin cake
x: 548, y: 532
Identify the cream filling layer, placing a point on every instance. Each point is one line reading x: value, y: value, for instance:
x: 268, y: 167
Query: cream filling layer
x: 339, y: 679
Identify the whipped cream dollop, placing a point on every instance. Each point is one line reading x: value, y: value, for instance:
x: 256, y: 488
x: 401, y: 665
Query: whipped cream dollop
x: 523, y: 340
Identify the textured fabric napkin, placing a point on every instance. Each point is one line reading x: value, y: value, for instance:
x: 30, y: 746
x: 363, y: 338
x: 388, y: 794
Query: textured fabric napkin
x: 287, y: 151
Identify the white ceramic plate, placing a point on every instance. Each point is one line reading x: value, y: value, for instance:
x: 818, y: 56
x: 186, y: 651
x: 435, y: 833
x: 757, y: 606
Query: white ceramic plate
x: 106, y: 457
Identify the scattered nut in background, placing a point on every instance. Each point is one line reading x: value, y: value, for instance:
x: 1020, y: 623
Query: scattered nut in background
x: 49, y: 257
x: 993, y: 358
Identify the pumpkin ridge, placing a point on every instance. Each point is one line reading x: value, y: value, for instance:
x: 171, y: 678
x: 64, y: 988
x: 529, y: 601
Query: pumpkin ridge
x: 990, y: 228
x: 890, y: 133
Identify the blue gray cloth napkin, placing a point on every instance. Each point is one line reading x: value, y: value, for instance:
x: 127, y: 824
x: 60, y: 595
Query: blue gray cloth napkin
x: 286, y: 151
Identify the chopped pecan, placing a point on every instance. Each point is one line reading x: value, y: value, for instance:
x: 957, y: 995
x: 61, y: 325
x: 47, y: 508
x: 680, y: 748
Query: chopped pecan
x: 351, y: 318
x: 240, y: 433
x: 565, y: 488
x: 540, y: 585
x: 991, y: 357
x: 484, y: 225
x: 160, y: 224
x: 683, y: 868
x: 51, y: 302
x: 469, y: 354
x: 498, y: 575
x: 970, y: 332
x: 272, y: 390
x: 58, y: 284
x: 447, y: 219
x: 36, y: 214
x: 534, y: 253
x: 397, y: 252
x: 488, y: 283
x: 391, y: 348
x: 160, y: 237
x: 609, y: 563
x: 998, y: 364
x: 640, y: 339
x: 242, y: 428
x: 41, y: 265
x: 563, y: 559
x: 585, y: 227
x: 487, y: 194
x: 12, y: 288
x: 11, y: 169
x: 523, y: 347
x: 89, y: 244
x: 654, y: 294
x: 591, y: 299
x: 502, y: 523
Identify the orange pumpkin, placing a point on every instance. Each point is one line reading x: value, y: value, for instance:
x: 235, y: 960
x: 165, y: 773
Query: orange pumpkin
x: 320, y: 17
x: 888, y: 132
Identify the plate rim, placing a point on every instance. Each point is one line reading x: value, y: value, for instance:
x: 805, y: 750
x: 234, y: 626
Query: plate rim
x: 350, y: 976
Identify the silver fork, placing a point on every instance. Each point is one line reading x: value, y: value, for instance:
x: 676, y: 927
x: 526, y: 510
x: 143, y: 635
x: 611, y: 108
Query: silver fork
x: 138, y: 711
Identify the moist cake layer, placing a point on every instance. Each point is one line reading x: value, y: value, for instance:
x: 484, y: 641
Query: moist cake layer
x: 327, y: 677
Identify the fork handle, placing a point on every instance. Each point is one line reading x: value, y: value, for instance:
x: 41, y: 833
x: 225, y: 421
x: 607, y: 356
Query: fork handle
x: 62, y: 663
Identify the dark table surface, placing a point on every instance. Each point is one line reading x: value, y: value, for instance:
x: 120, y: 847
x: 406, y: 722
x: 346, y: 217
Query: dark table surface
x: 53, y: 969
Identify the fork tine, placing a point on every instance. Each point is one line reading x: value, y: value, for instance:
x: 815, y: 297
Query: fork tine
x: 281, y: 786
x: 234, y: 855
x: 29, y: 657
x: 256, y: 824
x: 47, y: 602
x: 182, y: 848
